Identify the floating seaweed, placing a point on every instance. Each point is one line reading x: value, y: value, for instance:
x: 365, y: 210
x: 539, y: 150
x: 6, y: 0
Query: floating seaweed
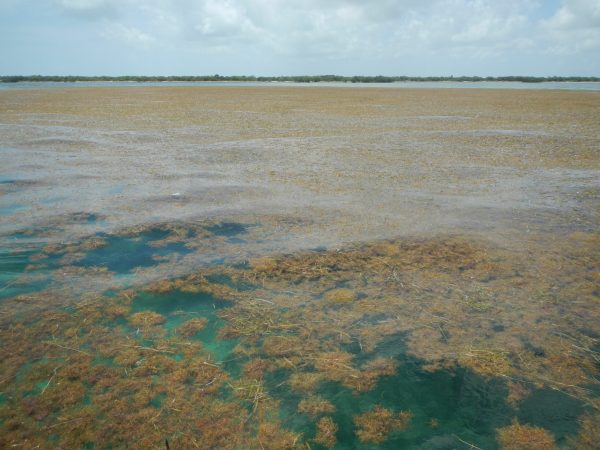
x: 315, y: 406
x: 216, y: 342
x: 376, y: 425
x: 589, y: 433
x: 132, y: 365
x: 146, y: 319
x: 326, y: 430
x: 521, y: 437
x: 304, y: 381
x: 192, y: 326
x: 337, y: 296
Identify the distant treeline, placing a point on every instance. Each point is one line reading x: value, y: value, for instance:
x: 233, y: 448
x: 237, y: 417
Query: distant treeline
x: 295, y: 79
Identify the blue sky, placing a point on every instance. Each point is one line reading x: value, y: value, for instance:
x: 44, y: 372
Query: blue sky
x: 285, y: 37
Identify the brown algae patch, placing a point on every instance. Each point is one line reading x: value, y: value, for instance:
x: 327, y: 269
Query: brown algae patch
x: 374, y: 426
x: 168, y: 361
x: 523, y: 437
x: 146, y: 319
x: 192, y: 326
x: 339, y: 296
x: 326, y: 430
x: 362, y: 163
x: 493, y: 306
x: 315, y: 406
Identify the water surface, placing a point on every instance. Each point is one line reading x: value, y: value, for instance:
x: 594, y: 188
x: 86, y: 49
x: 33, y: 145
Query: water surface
x: 284, y: 268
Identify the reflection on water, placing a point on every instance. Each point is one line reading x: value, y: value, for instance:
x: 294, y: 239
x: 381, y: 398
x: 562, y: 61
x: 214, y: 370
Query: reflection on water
x: 293, y: 268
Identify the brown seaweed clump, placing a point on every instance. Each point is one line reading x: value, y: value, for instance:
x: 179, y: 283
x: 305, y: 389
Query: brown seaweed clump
x: 524, y: 437
x: 335, y: 366
x: 272, y: 437
x: 115, y: 310
x: 192, y: 326
x: 589, y: 433
x: 251, y: 392
x: 304, y: 381
x: 326, y: 430
x: 314, y: 406
x: 256, y: 368
x: 372, y: 371
x: 338, y: 296
x: 376, y: 425
x: 447, y: 301
x: 264, y: 264
x: 146, y: 319
x: 489, y: 363
x: 194, y: 284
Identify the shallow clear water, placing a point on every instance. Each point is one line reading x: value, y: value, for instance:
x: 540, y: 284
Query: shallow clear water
x: 243, y: 313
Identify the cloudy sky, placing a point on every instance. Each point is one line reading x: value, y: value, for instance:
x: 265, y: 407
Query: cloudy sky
x: 292, y: 37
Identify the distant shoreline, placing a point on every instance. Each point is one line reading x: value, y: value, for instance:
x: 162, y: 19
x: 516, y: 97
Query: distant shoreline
x: 293, y: 79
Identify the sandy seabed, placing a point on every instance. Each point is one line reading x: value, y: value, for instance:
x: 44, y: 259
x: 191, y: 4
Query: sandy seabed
x: 275, y: 267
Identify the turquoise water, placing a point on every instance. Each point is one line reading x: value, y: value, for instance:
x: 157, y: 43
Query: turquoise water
x: 466, y: 406
x: 13, y: 208
x: 15, y: 268
x: 122, y: 254
x: 179, y: 307
x: 451, y: 408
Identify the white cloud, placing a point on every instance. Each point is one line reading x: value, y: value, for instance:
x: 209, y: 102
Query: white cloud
x: 128, y: 34
x: 216, y: 20
x: 576, y: 14
x: 334, y: 29
x: 358, y: 35
x: 574, y: 28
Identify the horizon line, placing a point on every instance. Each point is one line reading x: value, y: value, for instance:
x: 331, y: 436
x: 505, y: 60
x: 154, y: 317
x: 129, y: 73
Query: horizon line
x: 297, y: 78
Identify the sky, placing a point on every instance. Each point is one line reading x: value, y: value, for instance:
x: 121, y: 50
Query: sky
x: 300, y: 37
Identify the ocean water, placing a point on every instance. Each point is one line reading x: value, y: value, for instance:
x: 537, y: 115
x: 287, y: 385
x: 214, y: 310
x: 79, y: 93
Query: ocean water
x: 281, y: 270
x: 289, y: 342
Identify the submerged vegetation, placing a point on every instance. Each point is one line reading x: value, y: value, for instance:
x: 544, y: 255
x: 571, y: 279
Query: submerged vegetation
x: 523, y: 437
x: 316, y: 349
x: 295, y: 268
x: 375, y: 425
